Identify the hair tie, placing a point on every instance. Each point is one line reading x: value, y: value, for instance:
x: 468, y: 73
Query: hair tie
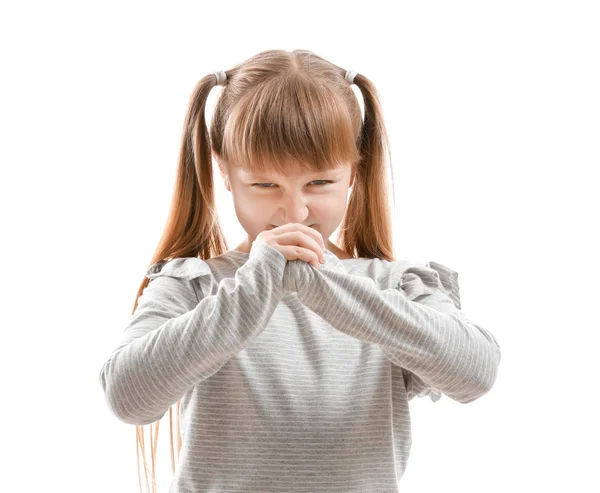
x: 221, y: 77
x: 350, y: 74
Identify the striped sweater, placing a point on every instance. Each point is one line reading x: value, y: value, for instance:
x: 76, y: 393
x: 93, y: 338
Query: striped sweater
x: 292, y: 378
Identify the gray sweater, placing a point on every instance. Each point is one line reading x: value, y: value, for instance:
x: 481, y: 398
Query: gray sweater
x: 292, y: 378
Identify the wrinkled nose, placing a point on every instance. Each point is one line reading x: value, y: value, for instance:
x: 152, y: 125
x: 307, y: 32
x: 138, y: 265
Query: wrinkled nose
x: 294, y: 211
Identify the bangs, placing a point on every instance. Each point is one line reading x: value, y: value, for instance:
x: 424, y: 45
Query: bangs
x: 290, y: 120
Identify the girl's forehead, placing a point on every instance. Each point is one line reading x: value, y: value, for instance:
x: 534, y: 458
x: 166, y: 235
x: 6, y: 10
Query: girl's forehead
x: 258, y: 174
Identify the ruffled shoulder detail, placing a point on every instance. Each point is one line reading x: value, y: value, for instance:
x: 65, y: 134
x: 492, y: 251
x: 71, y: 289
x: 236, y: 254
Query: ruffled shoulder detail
x: 182, y: 267
x: 449, y: 279
x: 431, y: 278
x: 186, y: 268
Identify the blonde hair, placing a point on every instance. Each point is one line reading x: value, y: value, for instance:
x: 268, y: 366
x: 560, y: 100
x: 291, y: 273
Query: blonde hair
x: 276, y: 107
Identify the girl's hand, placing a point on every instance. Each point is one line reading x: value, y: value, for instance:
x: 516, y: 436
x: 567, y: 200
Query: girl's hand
x: 296, y: 242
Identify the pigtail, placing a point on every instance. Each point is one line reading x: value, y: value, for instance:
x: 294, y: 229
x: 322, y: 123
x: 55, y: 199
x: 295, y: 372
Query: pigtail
x: 367, y: 226
x: 192, y: 230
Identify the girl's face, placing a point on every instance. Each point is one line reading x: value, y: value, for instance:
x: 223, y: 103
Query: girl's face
x: 314, y: 199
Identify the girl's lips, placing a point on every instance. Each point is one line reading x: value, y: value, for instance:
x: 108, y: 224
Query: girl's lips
x: 271, y: 226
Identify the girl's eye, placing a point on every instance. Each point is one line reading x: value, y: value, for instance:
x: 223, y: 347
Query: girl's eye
x: 260, y: 185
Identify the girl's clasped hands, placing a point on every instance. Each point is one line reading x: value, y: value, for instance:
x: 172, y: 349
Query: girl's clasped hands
x: 296, y: 241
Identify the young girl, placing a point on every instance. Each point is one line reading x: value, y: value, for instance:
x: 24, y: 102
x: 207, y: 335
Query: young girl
x: 292, y: 360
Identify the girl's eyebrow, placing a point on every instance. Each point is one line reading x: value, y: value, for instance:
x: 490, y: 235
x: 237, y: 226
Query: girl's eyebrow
x: 326, y: 172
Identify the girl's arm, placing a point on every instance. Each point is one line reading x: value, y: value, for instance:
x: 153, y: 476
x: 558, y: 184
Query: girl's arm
x: 418, y: 325
x: 173, y: 340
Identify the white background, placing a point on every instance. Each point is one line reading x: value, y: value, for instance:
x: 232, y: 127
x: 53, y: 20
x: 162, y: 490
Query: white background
x: 492, y: 109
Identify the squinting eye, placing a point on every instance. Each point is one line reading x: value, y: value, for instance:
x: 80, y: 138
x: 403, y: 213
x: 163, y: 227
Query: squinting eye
x: 260, y: 185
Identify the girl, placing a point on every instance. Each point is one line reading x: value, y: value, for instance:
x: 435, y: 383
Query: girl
x: 292, y: 360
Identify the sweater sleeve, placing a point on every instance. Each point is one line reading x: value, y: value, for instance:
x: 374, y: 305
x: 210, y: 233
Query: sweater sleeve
x: 418, y: 324
x: 181, y: 334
